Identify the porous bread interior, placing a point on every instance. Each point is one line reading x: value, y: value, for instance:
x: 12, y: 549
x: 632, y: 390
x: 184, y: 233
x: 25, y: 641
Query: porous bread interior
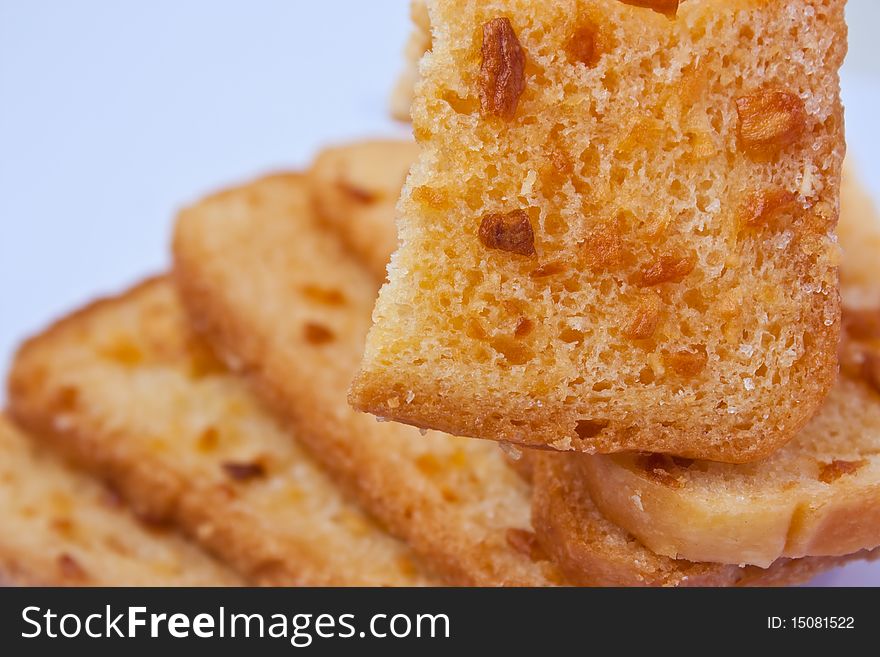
x: 794, y: 503
x: 127, y: 391
x: 593, y: 551
x: 417, y: 44
x: 245, y: 261
x: 62, y: 528
x: 355, y: 188
x: 627, y: 160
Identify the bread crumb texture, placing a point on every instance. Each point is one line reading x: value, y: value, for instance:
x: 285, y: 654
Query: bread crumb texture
x: 678, y: 168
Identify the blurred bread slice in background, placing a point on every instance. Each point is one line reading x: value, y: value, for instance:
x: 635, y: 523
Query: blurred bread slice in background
x: 62, y: 528
x: 128, y: 392
x: 355, y: 188
x: 418, y: 43
x: 859, y: 234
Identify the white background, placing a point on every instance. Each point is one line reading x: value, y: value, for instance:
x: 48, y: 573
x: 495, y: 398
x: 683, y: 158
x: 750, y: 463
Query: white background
x: 114, y: 114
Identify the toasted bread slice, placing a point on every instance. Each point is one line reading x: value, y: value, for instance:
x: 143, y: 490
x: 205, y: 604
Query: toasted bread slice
x: 618, y: 218
x: 288, y: 308
x: 418, y: 43
x: 125, y: 390
x: 593, y: 551
x: 355, y: 188
x: 817, y: 496
x: 62, y: 528
x: 859, y: 233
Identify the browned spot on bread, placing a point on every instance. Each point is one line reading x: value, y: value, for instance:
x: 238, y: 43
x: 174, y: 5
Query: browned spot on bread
x: 524, y: 327
x: 66, y: 399
x: 769, y: 121
x: 668, y: 268
x: 325, y: 296
x: 208, y: 440
x: 357, y: 194
x: 123, y: 351
x: 203, y: 362
x: 511, y: 232
x: 432, y: 197
x: 831, y: 472
x: 503, y: 70
x: 666, y: 7
x: 571, y: 336
x: 318, y: 334
x: 244, y: 471
x: 762, y: 207
x: 429, y: 464
x: 64, y: 526
x: 70, y: 568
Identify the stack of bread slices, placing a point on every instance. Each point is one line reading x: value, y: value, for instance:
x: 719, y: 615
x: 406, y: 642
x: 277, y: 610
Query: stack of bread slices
x: 629, y: 334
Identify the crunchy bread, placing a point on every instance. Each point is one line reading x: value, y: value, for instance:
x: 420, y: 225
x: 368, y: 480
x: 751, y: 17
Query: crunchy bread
x: 126, y: 391
x: 289, y: 309
x: 593, y: 551
x: 61, y: 528
x: 355, y: 188
x: 418, y: 43
x: 817, y: 496
x: 620, y: 231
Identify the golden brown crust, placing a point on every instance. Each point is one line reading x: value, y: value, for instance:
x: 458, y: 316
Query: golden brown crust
x: 701, y: 103
x: 241, y: 261
x: 61, y: 528
x: 123, y: 389
x: 592, y: 551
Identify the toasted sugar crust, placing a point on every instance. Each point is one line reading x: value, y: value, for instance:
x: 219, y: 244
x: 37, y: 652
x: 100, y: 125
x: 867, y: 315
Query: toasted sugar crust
x: 124, y: 389
x: 242, y: 260
x: 61, y: 528
x: 445, y: 324
x: 593, y: 551
x: 355, y: 188
x: 819, y: 495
